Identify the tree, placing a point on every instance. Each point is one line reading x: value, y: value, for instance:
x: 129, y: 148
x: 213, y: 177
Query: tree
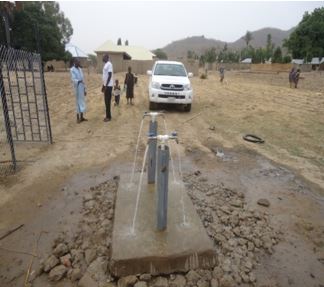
x: 269, y: 47
x: 191, y: 54
x: 160, y: 54
x: 126, y: 43
x: 277, y: 55
x: 67, y: 58
x: 41, y: 27
x: 119, y: 42
x: 286, y: 59
x: 93, y: 59
x: 210, y: 55
x: 248, y: 38
x: 307, y: 40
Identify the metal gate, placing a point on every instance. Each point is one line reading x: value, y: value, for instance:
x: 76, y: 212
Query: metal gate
x: 25, y: 116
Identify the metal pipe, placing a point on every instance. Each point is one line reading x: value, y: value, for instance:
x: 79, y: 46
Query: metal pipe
x: 151, y: 160
x: 162, y: 187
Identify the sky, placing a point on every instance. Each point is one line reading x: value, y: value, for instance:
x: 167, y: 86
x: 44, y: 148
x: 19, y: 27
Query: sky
x: 154, y: 24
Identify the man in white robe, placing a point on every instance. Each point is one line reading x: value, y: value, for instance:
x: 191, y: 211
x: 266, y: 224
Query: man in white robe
x: 79, y: 90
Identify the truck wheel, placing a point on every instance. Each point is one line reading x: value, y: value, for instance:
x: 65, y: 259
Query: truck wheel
x: 152, y: 106
x: 187, y: 108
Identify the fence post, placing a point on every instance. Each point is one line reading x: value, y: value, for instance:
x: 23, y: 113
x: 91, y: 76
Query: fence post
x: 43, y: 89
x: 6, y: 118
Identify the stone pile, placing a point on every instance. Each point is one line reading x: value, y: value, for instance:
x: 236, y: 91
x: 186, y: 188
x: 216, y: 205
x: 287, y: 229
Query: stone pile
x: 239, y: 233
x: 87, y: 251
x: 240, y: 236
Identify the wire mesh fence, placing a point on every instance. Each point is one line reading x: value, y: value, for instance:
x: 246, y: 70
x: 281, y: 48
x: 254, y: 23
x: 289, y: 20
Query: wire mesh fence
x: 25, y: 116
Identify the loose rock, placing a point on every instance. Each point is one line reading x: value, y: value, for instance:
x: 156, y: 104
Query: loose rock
x: 76, y: 274
x: 179, y: 281
x: 60, y: 250
x: 192, y: 277
x: 127, y: 281
x: 57, y: 273
x: 90, y: 255
x: 264, y: 202
x: 160, y: 282
x: 87, y: 281
x: 50, y: 263
x: 145, y: 277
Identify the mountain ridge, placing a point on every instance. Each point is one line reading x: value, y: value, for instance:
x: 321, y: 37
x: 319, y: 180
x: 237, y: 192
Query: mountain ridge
x: 199, y: 44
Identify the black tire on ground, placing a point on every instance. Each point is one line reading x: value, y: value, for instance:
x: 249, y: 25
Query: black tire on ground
x: 187, y: 108
x: 253, y: 138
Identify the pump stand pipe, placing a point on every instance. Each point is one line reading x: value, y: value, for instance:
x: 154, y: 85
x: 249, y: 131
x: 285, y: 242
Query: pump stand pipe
x: 151, y: 159
x: 162, y: 185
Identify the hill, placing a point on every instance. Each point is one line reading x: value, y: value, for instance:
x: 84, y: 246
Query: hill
x: 259, y: 38
x: 199, y: 44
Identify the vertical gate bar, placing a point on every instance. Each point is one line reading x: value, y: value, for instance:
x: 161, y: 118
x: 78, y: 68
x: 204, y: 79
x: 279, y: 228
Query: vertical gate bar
x: 6, y: 118
x: 32, y: 56
x: 8, y: 63
x: 151, y: 159
x: 162, y: 187
x: 47, y: 117
x: 27, y: 95
x: 16, y: 53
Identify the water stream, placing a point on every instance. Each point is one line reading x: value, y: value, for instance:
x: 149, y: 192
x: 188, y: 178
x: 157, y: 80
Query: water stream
x: 136, y: 152
x: 171, y: 157
x: 139, y: 191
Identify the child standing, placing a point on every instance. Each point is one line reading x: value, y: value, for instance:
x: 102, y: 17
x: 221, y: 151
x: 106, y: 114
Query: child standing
x: 117, y: 92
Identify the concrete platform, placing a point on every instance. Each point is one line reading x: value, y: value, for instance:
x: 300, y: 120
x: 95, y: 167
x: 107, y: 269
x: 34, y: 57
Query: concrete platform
x: 184, y: 245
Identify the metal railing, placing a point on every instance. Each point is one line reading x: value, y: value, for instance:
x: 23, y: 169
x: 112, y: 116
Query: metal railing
x: 25, y: 114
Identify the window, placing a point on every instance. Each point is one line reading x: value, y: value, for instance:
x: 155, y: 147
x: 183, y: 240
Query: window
x: 170, y: 70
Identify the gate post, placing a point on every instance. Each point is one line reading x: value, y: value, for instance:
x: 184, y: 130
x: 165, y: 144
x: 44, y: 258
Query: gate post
x: 43, y: 87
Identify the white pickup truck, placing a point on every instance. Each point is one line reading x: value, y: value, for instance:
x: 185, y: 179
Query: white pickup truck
x: 169, y: 83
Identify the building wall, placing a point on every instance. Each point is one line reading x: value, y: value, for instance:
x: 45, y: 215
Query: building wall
x: 138, y: 66
x: 115, y: 58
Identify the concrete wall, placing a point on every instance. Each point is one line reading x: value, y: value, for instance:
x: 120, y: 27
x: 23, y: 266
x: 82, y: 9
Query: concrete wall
x: 58, y: 65
x: 276, y: 67
x: 227, y: 66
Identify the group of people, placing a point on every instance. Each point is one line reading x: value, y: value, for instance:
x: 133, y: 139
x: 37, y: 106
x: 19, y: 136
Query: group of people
x: 109, y: 88
x: 294, y: 75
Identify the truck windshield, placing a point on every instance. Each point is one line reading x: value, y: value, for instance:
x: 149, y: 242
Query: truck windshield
x: 170, y: 70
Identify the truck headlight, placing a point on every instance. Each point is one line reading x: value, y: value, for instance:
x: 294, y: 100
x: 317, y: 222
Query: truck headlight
x: 187, y: 87
x: 155, y: 85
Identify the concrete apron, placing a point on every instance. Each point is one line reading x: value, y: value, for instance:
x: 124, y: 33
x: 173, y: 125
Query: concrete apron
x: 184, y: 245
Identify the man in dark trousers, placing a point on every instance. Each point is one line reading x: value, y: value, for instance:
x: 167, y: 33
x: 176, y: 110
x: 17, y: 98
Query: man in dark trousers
x: 107, y: 81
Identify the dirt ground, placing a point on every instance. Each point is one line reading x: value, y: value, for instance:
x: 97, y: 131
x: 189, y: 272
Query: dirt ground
x: 288, y: 169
